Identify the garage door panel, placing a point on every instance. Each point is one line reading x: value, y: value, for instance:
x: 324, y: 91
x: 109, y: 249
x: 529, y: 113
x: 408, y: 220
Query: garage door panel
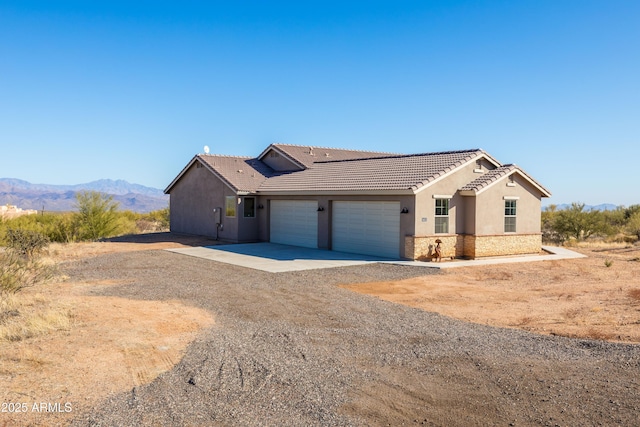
x: 371, y: 228
x: 294, y: 222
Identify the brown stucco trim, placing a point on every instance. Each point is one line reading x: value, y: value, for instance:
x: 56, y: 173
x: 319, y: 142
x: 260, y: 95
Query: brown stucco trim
x: 282, y: 153
x: 543, y: 191
x: 337, y: 193
x: 209, y: 168
x: 421, y: 186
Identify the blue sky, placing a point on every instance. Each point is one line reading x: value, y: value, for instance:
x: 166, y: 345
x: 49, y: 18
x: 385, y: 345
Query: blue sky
x: 133, y: 89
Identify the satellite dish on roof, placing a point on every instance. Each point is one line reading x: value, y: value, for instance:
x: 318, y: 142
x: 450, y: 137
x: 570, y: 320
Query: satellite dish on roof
x: 206, y: 149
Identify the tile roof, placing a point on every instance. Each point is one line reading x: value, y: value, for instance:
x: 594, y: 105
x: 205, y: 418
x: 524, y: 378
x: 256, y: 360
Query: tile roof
x: 307, y: 156
x: 240, y: 173
x: 488, y: 178
x: 335, y: 170
x: 399, y: 172
x: 494, y: 175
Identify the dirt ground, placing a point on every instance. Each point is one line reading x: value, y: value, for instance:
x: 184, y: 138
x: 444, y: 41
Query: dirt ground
x: 115, y: 344
x: 581, y: 298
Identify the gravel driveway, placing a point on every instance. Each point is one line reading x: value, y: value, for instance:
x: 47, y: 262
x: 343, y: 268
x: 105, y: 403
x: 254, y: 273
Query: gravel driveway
x: 296, y: 349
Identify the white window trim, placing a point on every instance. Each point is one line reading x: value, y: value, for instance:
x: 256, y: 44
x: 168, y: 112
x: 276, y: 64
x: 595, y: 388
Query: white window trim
x: 515, y: 217
x: 447, y: 216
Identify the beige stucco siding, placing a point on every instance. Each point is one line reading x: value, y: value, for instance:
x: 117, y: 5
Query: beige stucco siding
x: 447, y: 186
x: 490, y: 206
x: 469, y: 215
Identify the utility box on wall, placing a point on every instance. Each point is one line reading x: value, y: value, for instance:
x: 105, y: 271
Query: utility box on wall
x: 217, y: 215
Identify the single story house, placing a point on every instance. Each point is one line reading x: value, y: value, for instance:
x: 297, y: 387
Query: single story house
x: 383, y: 204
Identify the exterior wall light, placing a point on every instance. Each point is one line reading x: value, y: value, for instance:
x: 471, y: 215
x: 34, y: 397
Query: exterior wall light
x: 320, y: 208
x: 260, y: 207
x: 404, y: 210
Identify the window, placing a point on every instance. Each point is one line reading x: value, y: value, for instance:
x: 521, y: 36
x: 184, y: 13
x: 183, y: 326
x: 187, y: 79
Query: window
x: 442, y: 216
x: 510, y: 216
x: 249, y: 207
x: 230, y: 206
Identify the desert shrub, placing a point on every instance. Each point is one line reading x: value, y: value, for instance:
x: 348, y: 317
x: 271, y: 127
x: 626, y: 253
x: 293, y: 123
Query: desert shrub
x: 66, y: 229
x: 549, y: 233
x: 97, y: 215
x: 160, y: 217
x: 577, y: 223
x: 614, y: 220
x: 633, y: 224
x: 151, y: 222
x: 608, y: 263
x: 26, y: 242
x: 57, y: 227
x: 17, y: 273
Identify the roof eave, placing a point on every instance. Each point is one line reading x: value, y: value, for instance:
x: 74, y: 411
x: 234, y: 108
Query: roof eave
x: 421, y: 186
x: 209, y: 168
x: 383, y: 192
x: 490, y: 158
x: 182, y: 172
x: 543, y: 191
x: 282, y: 153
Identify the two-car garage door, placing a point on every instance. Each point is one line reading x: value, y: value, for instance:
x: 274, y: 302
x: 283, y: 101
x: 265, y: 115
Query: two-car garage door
x: 371, y: 228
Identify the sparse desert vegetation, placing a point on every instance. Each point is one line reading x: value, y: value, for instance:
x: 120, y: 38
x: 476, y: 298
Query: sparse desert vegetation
x: 58, y: 339
x: 97, y: 216
x: 129, y: 342
x: 576, y: 224
x: 596, y: 297
x: 118, y: 327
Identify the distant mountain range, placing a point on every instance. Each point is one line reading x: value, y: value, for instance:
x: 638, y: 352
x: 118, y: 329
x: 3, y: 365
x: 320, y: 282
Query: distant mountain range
x: 601, y: 207
x: 133, y: 197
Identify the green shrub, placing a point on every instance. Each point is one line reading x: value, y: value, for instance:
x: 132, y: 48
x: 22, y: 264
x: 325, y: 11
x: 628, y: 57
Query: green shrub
x: 161, y: 217
x: 97, y: 215
x: 57, y: 227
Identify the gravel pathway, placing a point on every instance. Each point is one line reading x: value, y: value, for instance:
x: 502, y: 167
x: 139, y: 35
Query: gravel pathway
x: 296, y: 349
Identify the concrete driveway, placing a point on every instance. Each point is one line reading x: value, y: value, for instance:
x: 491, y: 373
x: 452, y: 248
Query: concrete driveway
x: 276, y: 258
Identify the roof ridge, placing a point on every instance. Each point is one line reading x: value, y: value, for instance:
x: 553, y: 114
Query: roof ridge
x: 329, y: 148
x: 392, y: 156
x: 228, y: 156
